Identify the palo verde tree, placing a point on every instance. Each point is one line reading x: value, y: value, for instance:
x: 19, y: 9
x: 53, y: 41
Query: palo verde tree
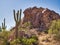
x: 17, y: 18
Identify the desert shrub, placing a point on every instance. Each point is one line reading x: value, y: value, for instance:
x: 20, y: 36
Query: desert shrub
x: 28, y: 24
x: 50, y: 31
x: 15, y: 41
x: 46, y: 31
x: 34, y: 37
x: 55, y: 29
x: 4, y: 37
x: 25, y: 41
x: 57, y: 37
x: 28, y: 41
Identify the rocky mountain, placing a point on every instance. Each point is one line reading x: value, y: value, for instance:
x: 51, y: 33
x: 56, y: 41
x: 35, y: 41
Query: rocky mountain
x: 40, y: 17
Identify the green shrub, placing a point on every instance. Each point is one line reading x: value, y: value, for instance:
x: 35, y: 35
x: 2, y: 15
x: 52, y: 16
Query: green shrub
x: 4, y: 36
x: 46, y: 31
x: 57, y: 37
x: 15, y: 41
x: 27, y: 24
x: 29, y: 41
x: 55, y: 29
x: 34, y: 37
x: 50, y: 31
x: 25, y: 41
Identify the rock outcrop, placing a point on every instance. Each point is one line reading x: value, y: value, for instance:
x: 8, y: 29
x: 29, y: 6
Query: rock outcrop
x: 40, y: 17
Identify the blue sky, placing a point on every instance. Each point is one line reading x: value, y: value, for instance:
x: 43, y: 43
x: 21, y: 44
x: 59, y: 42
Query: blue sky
x: 7, y: 6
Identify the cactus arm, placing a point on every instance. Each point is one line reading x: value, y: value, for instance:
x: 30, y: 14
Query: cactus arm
x: 4, y: 22
x: 20, y: 15
x: 2, y: 25
x: 14, y: 15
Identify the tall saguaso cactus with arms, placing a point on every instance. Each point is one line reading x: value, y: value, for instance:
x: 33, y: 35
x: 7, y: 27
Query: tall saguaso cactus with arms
x: 17, y: 18
x: 3, y: 25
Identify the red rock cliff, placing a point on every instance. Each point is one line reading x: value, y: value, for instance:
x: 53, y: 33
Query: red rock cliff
x: 40, y: 17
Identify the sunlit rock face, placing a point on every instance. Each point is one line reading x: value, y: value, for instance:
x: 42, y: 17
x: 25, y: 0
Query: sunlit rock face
x: 40, y: 17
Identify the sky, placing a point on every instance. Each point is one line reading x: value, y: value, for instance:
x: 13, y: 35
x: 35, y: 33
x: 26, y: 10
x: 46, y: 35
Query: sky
x: 7, y: 6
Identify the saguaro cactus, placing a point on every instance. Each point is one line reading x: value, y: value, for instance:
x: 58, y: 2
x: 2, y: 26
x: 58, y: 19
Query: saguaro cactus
x: 17, y: 18
x: 3, y: 25
x: 0, y: 29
